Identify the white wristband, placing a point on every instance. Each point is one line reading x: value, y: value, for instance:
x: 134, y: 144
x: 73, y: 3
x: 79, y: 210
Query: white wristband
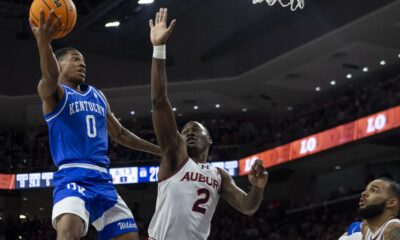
x: 159, y: 52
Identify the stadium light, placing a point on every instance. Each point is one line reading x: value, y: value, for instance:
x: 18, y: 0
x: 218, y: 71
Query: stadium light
x: 196, y: 107
x: 244, y: 109
x: 318, y: 89
x: 174, y: 109
x: 365, y: 69
x: 349, y: 76
x: 382, y: 63
x: 22, y: 217
x: 333, y: 82
x: 132, y: 112
x: 112, y: 24
x: 142, y: 2
x: 217, y: 105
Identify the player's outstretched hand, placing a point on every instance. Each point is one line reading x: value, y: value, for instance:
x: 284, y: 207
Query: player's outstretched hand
x: 258, y: 176
x: 159, y: 32
x: 46, y: 30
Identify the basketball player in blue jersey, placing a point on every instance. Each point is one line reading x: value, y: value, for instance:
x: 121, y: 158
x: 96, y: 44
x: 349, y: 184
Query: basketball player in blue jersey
x: 79, y: 120
x: 188, y: 186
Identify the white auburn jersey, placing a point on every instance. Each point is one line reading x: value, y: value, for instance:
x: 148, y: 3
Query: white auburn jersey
x: 378, y: 234
x: 186, y: 202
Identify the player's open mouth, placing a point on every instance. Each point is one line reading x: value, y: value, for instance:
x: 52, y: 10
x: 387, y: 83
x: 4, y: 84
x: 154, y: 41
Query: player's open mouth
x: 361, y: 203
x: 82, y: 72
x: 191, y: 140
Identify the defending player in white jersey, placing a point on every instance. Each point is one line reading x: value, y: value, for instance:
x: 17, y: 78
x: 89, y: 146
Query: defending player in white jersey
x: 189, y: 187
x: 379, y: 206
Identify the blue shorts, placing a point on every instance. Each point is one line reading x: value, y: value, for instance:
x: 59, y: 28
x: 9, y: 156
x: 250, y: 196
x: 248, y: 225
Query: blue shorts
x: 87, y: 191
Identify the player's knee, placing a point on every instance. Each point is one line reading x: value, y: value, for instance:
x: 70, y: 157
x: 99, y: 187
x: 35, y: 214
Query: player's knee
x: 70, y: 227
x: 70, y: 234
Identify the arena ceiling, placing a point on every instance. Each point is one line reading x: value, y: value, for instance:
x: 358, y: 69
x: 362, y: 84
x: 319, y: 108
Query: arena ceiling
x: 232, y: 53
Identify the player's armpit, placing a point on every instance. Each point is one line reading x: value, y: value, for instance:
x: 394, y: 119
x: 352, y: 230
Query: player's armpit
x: 125, y: 137
x: 50, y: 97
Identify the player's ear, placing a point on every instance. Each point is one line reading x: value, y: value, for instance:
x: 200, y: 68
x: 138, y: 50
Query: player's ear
x: 392, y: 202
x: 61, y: 64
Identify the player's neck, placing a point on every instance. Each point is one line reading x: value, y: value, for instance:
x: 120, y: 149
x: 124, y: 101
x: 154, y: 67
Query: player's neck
x: 69, y: 84
x: 375, y: 223
x: 199, y: 157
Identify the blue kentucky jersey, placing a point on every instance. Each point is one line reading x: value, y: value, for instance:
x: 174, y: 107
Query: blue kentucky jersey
x: 354, y: 227
x: 78, y: 128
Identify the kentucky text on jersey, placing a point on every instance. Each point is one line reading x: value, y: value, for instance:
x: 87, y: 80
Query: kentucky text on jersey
x: 80, y: 106
x: 198, y: 177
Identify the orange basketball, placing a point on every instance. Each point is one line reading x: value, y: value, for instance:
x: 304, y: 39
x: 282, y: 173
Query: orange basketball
x: 64, y: 8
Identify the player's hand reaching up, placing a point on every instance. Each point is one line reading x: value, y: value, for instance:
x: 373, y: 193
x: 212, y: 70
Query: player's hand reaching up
x: 46, y: 30
x: 258, y: 176
x: 159, y: 32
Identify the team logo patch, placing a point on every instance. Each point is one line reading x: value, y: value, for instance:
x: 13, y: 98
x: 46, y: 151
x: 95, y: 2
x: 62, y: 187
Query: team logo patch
x: 205, y: 166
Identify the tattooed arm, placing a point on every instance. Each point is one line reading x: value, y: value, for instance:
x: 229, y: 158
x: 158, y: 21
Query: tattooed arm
x: 392, y: 232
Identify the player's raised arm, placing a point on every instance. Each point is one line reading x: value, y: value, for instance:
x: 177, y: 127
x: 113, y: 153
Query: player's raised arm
x: 246, y: 203
x: 125, y: 137
x: 44, y: 33
x: 172, y: 145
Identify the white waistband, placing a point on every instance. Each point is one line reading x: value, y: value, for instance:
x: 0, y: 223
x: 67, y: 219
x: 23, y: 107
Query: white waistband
x: 82, y: 165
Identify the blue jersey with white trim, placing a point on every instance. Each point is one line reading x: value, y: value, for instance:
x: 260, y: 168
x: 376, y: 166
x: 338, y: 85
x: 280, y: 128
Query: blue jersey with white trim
x: 78, y: 128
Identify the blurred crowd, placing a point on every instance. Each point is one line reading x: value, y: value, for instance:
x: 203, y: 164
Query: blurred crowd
x: 34, y: 229
x: 234, y: 136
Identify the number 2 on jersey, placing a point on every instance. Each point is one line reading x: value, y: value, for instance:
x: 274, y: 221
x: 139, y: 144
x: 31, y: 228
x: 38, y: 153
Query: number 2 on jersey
x: 91, y: 126
x: 204, y: 200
